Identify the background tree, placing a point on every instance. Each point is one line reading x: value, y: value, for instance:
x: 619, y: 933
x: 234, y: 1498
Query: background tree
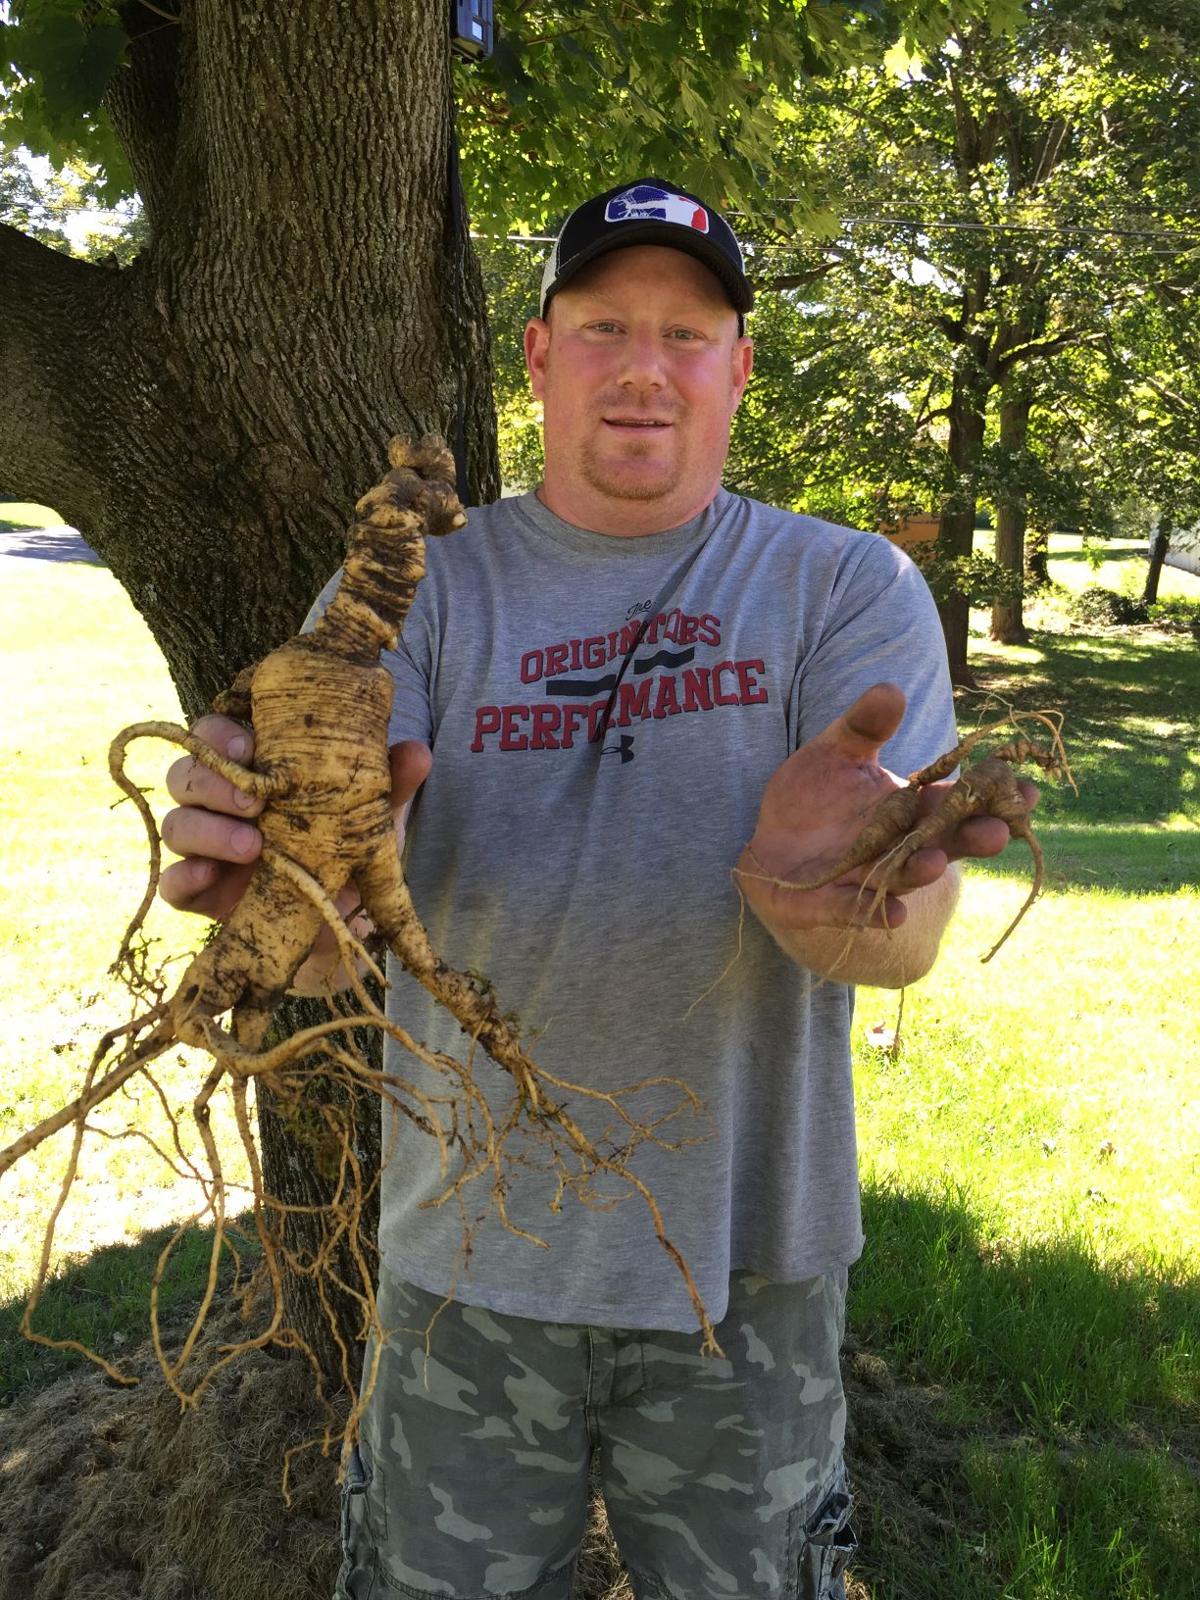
x: 1137, y: 414
x: 1157, y: 354
x: 1002, y: 201
x: 65, y: 209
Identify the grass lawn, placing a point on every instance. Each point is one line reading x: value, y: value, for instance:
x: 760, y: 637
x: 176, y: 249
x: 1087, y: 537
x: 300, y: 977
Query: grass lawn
x: 73, y: 868
x: 1031, y: 1157
x: 1118, y: 564
x: 25, y: 514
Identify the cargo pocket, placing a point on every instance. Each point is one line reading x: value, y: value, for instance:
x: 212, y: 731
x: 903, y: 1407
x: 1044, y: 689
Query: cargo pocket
x: 356, y: 1578
x: 827, y: 1543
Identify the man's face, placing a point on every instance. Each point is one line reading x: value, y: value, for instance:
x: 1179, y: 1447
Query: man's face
x: 639, y: 369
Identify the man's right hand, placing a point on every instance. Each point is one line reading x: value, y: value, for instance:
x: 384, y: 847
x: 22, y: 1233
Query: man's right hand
x: 212, y: 827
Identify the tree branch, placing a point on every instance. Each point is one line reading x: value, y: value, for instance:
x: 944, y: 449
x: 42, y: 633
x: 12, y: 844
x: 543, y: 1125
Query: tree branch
x: 143, y: 103
x: 922, y: 414
x: 1048, y: 150
x: 1043, y: 347
x: 55, y: 360
x: 1184, y: 408
x: 796, y: 280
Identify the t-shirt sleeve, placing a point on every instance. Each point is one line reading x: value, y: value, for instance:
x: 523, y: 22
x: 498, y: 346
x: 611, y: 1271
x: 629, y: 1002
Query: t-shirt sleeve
x: 411, y: 670
x: 880, y: 626
x: 410, y: 665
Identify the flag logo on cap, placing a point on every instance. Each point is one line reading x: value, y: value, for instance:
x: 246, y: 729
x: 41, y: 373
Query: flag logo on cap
x: 645, y: 202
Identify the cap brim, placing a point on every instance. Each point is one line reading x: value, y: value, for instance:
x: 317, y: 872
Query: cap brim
x: 674, y: 237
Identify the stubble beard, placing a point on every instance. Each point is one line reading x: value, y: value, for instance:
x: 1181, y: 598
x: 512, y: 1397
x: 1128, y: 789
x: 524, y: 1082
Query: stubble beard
x: 630, y: 479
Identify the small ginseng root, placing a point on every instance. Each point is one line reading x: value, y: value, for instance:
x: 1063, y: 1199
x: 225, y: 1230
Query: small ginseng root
x: 319, y: 707
x: 895, y: 829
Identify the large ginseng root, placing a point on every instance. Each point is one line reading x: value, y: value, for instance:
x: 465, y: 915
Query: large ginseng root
x: 319, y: 707
x: 895, y: 829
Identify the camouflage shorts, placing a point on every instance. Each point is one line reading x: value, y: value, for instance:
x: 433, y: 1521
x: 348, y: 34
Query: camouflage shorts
x: 722, y: 1477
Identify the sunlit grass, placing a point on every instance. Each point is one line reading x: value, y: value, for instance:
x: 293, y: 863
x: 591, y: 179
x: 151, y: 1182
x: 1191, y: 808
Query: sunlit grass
x: 1031, y: 1157
x: 1118, y: 564
x: 1058, y: 1081
x: 73, y: 866
x: 26, y: 514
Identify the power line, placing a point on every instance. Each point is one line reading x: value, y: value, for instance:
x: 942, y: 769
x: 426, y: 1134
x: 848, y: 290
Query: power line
x: 1120, y: 225
x: 949, y: 226
x: 1052, y: 230
x: 905, y: 203
x: 1023, y: 227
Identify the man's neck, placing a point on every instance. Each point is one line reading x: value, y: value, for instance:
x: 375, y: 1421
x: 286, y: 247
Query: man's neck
x: 625, y: 519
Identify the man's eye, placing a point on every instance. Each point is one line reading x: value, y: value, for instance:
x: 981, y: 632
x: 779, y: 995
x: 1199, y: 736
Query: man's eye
x: 605, y: 327
x: 683, y: 334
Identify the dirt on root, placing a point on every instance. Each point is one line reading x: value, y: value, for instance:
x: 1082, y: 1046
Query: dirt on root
x: 116, y: 1494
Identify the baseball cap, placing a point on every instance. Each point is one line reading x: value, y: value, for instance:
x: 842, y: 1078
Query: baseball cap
x: 649, y: 211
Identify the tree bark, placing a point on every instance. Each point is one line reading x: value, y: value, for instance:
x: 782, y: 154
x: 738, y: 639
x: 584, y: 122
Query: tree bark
x: 300, y: 1156
x: 1159, y: 545
x: 1008, y: 623
x: 208, y: 416
x: 956, y: 536
x: 1037, y: 559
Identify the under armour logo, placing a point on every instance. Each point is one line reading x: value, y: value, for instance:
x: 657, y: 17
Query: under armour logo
x: 624, y: 748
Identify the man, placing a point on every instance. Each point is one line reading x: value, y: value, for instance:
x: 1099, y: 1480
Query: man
x: 632, y: 682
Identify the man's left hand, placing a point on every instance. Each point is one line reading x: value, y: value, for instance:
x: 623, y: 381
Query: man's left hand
x: 813, y: 809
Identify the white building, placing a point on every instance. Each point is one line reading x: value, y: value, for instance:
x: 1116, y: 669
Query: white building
x: 1185, y: 549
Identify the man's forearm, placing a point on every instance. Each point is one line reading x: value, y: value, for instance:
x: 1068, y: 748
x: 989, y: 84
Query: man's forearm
x: 882, y: 958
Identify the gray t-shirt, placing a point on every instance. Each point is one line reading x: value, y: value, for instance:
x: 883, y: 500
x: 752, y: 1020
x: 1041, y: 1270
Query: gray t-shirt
x: 589, y: 879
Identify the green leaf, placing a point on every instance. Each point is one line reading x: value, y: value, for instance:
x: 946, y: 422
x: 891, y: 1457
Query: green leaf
x: 57, y: 60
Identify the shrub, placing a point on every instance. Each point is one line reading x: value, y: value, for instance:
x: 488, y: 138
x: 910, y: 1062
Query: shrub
x: 1107, y: 608
x: 1177, y: 616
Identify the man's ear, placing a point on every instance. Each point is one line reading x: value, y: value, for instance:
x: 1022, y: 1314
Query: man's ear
x: 743, y: 366
x: 537, y: 346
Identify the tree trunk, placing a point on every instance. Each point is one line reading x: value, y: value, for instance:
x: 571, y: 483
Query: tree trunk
x: 301, y: 1154
x: 1159, y: 545
x: 1008, y: 623
x: 208, y: 416
x: 956, y: 536
x: 1037, y: 559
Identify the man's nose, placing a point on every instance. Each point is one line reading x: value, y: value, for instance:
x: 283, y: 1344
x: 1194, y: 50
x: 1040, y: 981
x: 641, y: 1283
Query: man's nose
x: 643, y: 366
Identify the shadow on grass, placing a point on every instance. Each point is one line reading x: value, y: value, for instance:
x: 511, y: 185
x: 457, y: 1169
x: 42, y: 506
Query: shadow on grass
x: 1134, y: 555
x: 1062, y: 1462
x: 1124, y: 860
x: 43, y: 545
x: 104, y: 1303
x: 1054, y: 1411
x: 1042, y: 1332
x: 1132, y: 721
